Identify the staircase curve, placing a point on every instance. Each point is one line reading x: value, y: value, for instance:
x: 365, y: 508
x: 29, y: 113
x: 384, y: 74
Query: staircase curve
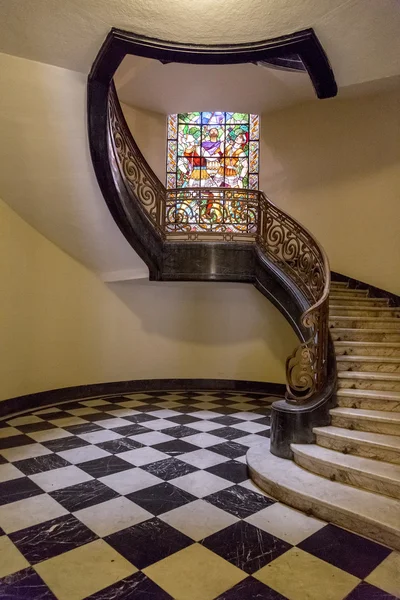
x: 250, y: 240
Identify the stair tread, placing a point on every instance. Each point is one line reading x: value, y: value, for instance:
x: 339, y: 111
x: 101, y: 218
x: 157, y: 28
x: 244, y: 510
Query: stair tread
x: 365, y: 330
x: 375, y: 375
x: 360, y: 344
x: 367, y: 358
x: 342, y: 296
x: 370, y: 466
x: 377, y: 394
x: 368, y: 319
x: 345, y: 502
x: 381, y: 440
x: 364, y: 413
x: 366, y: 308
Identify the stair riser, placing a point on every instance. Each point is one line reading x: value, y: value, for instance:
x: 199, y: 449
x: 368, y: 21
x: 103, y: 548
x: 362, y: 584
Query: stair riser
x: 365, y: 425
x: 350, y: 477
x: 360, y: 335
x: 367, y: 351
x: 377, y: 312
x: 369, y: 384
x: 350, y: 293
x: 364, y: 324
x: 368, y: 404
x: 368, y: 367
x: 359, y: 449
x: 357, y: 301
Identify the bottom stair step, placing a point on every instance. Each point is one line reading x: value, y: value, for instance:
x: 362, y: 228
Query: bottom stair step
x: 364, y: 512
x: 365, y: 473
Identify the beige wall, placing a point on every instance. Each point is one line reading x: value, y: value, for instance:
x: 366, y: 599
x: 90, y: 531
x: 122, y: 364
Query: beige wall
x: 335, y: 166
x: 61, y: 326
x: 149, y: 130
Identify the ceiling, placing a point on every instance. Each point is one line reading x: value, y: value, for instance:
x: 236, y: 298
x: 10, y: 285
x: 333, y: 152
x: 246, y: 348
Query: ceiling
x: 148, y: 84
x: 360, y: 37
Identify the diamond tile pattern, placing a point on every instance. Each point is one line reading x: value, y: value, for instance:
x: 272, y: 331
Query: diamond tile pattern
x: 147, y: 496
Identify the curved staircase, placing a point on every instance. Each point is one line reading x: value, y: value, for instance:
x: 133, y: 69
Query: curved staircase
x: 351, y: 475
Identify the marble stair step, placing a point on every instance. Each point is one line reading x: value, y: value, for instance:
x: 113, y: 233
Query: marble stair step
x: 364, y: 311
x: 354, y: 334
x: 361, y: 419
x: 365, y: 473
x: 387, y: 349
x: 361, y: 380
x: 336, y: 298
x: 349, y: 293
x: 364, y: 322
x: 367, y: 364
x: 378, y: 446
x: 369, y: 399
x: 367, y: 513
x: 339, y: 284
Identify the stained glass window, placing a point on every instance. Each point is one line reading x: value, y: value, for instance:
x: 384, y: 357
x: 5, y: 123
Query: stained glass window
x: 213, y: 149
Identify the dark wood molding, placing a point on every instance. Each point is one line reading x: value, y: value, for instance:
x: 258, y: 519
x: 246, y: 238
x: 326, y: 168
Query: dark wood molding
x: 31, y: 401
x: 303, y: 44
x: 375, y: 292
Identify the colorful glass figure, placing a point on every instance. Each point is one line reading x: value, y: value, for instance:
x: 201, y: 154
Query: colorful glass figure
x: 213, y: 149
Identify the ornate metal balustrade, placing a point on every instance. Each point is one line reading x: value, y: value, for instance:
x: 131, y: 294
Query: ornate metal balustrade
x: 229, y: 215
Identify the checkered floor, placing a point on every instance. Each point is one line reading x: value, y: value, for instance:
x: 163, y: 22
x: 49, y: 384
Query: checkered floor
x: 147, y: 496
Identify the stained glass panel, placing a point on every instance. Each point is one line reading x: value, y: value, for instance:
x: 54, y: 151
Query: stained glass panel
x: 213, y: 149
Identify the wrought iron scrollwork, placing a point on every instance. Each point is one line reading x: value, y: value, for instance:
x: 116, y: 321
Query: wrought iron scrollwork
x: 226, y: 214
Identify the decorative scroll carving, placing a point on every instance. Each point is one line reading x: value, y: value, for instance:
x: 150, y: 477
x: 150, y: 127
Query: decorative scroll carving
x: 229, y: 215
x: 139, y: 178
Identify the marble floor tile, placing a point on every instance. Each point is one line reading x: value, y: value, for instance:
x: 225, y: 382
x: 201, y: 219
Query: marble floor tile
x: 135, y: 587
x: 78, y: 573
x: 119, y: 445
x: 180, y: 431
x: 346, y: 550
x: 49, y: 481
x: 170, y: 468
x: 249, y: 426
x: 95, y: 402
x: 175, y: 447
x: 204, y: 414
x: 108, y: 465
x: 131, y: 403
x: 230, y: 449
x: 83, y: 411
x: 251, y: 589
x: 83, y: 454
x: 25, y: 420
x: 198, y: 519
x: 247, y: 416
x: 122, y: 412
x: 96, y: 437
x: 298, y: 575
x: 164, y: 413
x: 203, y: 458
x: 231, y: 470
x: 111, y: 516
x: 386, y: 576
x: 25, y: 451
x: 39, y: 464
x: 31, y: 511
x: 285, y: 523
x: 161, y: 498
x: 51, y: 538
x: 49, y: 434
x: 25, y: 585
x: 184, y: 420
x: 252, y: 440
x: 159, y: 424
x: 366, y: 591
x: 228, y: 433
x: 194, y: 573
x: 18, y: 489
x: 113, y: 422
x: 129, y: 481
x: 83, y: 495
x: 151, y: 438
x: 148, y: 542
x: 9, y: 471
x: 203, y: 440
x: 143, y: 456
x: 11, y: 559
x: 239, y: 501
x: 67, y: 421
x: 201, y: 483
x: 138, y: 396
x: 206, y: 426
x: 7, y: 432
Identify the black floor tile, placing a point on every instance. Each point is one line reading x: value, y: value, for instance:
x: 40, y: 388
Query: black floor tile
x: 18, y: 489
x: 228, y: 433
x: 52, y: 538
x: 135, y: 587
x: 3, y: 461
x: 251, y: 589
x: 100, y: 467
x: 365, y: 591
x: 230, y: 449
x: 246, y: 546
x: 119, y: 445
x: 148, y: 542
x: 225, y: 410
x: 67, y: 443
x: 161, y: 498
x: 139, y: 418
x: 83, y: 428
x: 232, y: 471
x: 31, y: 427
x: 180, y: 431
x: 239, y: 501
x: 83, y: 495
x: 345, y: 550
x: 15, y: 441
x: 134, y: 429
x: 24, y: 585
x: 39, y: 464
x: 175, y: 447
x: 170, y: 468
x: 184, y: 419
x: 226, y: 420
x: 263, y: 421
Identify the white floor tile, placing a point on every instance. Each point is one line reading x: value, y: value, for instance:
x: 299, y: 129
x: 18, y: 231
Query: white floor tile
x: 253, y: 440
x: 29, y: 512
x: 113, y: 422
x: 8, y: 472
x: 130, y: 481
x: 111, y: 516
x: 23, y: 452
x: 247, y: 416
x: 201, y: 483
x: 83, y: 454
x: 49, y: 434
x: 203, y: 440
x: 159, y: 424
x: 122, y: 412
x: 204, y: 425
x: 151, y: 438
x: 7, y: 432
x: 205, y: 414
x: 164, y: 413
x: 27, y: 420
x: 143, y: 456
x: 57, y: 479
x: 249, y: 426
x: 198, y: 519
x: 67, y: 421
x: 203, y: 458
x: 96, y: 437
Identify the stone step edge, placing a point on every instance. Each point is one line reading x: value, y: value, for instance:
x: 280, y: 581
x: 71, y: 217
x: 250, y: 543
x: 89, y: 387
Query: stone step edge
x: 358, y: 510
x: 384, y: 441
x: 368, y: 358
x: 371, y: 394
x: 365, y: 330
x: 352, y: 299
x: 360, y: 343
x: 367, y: 319
x: 362, y: 309
x: 372, y: 375
x: 370, y: 467
x: 363, y: 414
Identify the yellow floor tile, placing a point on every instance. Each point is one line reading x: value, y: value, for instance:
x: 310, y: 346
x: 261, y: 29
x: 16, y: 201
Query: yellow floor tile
x: 301, y: 576
x: 242, y: 405
x: 206, y: 405
x: 387, y: 575
x: 11, y: 559
x: 195, y: 573
x: 84, y: 570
